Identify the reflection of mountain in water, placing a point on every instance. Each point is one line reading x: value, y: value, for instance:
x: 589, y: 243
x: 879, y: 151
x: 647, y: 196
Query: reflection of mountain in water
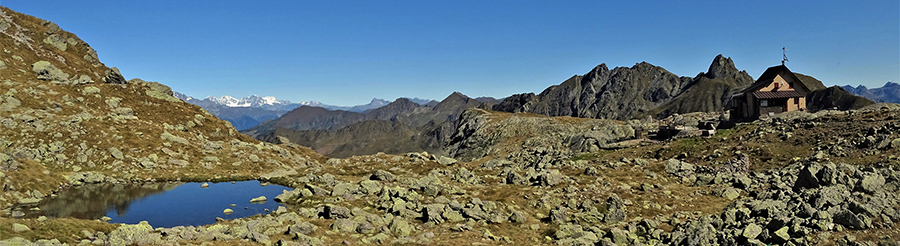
x: 93, y: 200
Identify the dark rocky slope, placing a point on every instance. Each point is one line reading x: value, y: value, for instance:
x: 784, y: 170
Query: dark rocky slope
x: 399, y: 127
x: 835, y: 98
x: 625, y: 93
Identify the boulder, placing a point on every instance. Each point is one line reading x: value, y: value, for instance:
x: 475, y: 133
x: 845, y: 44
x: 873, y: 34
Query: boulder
x: 615, y: 208
x: 559, y: 215
x: 47, y: 71
x: 751, y: 231
x: 679, y: 168
x: 807, y: 177
x: 56, y: 41
x: 443, y: 160
x: 850, y: 220
x: 569, y: 231
x: 287, y: 195
x: 870, y: 183
x: 344, y: 225
x: 337, y: 212
x: 19, y: 228
x: 518, y: 217
x: 139, y: 234
x: 401, y: 226
x: 116, y: 153
x: 731, y: 193
x: 113, y: 76
x: 550, y: 178
x: 259, y: 199
x: 781, y: 235
x: 304, y: 228
x: 383, y: 176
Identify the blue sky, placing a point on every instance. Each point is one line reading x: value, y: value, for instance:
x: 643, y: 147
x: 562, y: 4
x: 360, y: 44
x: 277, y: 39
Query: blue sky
x: 347, y: 52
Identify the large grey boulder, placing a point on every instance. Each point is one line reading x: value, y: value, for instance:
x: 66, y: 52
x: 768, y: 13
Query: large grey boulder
x: 751, y: 231
x: 807, y: 177
x: 47, y: 71
x: 56, y: 41
x: 383, y: 176
x: 679, y: 168
x: 851, y: 220
x: 344, y: 225
x: 615, y: 208
x: 113, y: 76
x: 870, y: 183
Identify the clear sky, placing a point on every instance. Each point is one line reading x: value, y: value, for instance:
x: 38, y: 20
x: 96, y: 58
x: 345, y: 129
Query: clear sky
x: 347, y: 52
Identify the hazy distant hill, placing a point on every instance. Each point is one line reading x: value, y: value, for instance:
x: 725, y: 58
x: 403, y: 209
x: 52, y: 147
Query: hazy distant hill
x: 890, y: 92
x: 399, y: 127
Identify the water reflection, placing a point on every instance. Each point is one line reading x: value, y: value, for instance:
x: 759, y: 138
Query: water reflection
x: 93, y: 201
x: 161, y: 204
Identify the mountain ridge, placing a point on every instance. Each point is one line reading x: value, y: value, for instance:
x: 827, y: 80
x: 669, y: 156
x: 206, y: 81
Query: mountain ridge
x: 889, y: 92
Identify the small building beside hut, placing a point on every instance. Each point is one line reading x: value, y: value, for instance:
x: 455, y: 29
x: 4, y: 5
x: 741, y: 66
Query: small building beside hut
x: 777, y: 90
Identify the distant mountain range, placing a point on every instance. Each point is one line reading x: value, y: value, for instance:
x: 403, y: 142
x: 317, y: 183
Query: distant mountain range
x: 247, y: 112
x: 402, y: 126
x: 889, y: 93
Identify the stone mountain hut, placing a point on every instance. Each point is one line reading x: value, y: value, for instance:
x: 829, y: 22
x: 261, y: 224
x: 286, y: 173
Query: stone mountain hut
x: 777, y: 90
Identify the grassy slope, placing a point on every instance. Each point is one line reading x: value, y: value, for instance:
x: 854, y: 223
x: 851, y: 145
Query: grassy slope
x: 138, y: 138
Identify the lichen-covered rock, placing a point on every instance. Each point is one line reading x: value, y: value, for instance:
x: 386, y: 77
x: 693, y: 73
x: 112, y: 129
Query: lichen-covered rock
x: 615, y: 207
x: 56, y: 41
x: 140, y: 234
x: 401, y: 226
x: 116, y: 153
x: 751, y: 231
x: 679, y: 168
x: 19, y: 228
x: 337, y: 212
x: 305, y: 228
x: 344, y: 225
x: 870, y: 183
x: 383, y: 176
x: 47, y: 71
x: 443, y: 160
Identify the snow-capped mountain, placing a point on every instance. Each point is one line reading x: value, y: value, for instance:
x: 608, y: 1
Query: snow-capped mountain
x: 253, y: 101
x: 249, y: 111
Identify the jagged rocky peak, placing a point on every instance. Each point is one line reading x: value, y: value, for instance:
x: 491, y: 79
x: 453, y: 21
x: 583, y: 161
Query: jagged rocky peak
x: 721, y: 67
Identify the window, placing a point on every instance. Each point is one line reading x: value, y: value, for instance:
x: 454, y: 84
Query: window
x: 764, y: 103
x: 777, y: 85
x: 796, y: 100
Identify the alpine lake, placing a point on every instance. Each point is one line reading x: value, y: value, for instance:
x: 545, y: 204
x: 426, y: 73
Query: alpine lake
x: 166, y: 204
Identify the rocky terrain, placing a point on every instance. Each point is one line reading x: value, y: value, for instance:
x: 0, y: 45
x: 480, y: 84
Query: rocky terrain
x: 824, y: 178
x: 890, y: 92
